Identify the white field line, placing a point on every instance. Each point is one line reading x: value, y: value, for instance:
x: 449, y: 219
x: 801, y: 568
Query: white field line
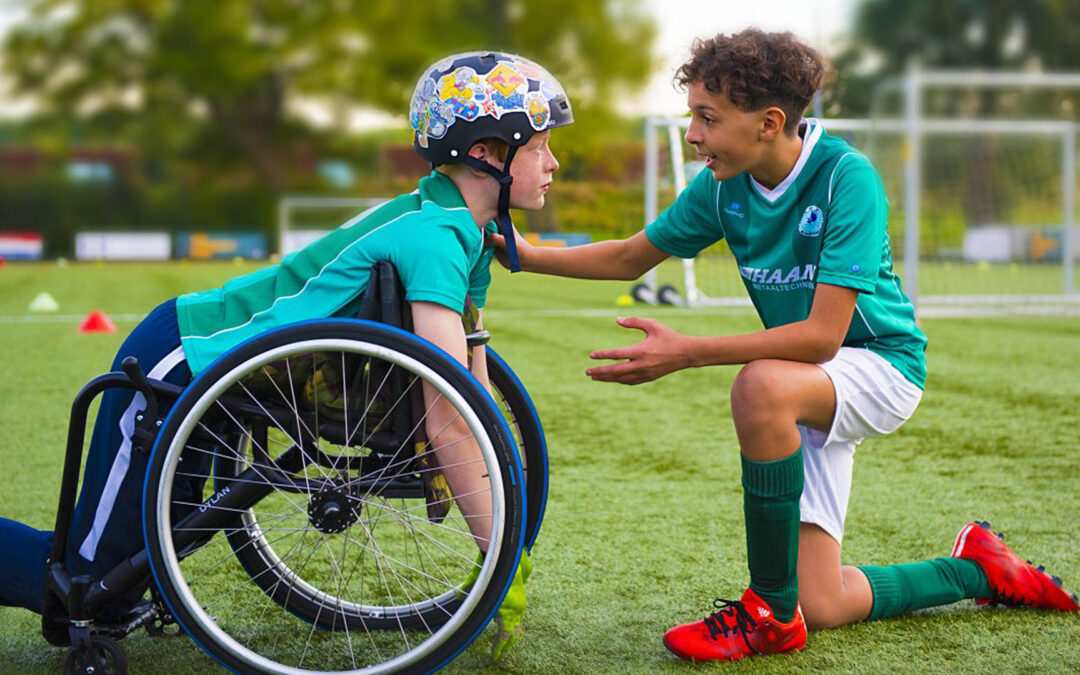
x: 62, y: 318
x: 936, y: 312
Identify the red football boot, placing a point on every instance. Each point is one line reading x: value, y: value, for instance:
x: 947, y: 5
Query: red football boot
x: 737, y: 629
x: 1015, y: 583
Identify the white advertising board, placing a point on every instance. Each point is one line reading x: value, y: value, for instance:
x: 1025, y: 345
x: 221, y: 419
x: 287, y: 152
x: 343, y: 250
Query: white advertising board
x: 123, y: 246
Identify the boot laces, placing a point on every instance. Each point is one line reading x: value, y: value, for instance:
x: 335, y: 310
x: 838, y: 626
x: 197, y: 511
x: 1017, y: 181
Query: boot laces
x: 729, y: 610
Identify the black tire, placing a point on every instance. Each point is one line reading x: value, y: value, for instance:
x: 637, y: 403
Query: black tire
x: 513, y: 400
x: 263, y: 626
x: 105, y: 657
x: 643, y: 294
x: 668, y: 295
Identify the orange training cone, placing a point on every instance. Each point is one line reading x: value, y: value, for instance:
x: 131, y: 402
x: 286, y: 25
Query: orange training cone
x: 97, y: 322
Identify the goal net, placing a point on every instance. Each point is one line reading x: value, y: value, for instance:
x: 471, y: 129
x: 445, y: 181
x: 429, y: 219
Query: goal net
x: 982, y: 223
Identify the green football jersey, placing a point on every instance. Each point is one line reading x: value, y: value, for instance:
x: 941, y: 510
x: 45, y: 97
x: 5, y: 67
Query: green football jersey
x: 825, y: 223
x: 429, y: 235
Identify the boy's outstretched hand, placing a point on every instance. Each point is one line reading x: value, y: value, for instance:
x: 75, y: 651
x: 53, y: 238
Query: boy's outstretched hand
x: 662, y: 351
x: 499, y: 242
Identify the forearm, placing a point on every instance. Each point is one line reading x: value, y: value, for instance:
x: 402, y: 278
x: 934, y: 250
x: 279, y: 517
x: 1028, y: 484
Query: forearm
x: 602, y: 260
x: 618, y: 259
x: 798, y: 341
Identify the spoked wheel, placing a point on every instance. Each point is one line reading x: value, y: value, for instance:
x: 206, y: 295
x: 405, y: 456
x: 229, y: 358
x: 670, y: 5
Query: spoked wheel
x: 329, y: 559
x: 517, y: 407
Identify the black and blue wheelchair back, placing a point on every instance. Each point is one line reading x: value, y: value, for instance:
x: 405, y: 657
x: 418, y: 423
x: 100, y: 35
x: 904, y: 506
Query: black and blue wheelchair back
x: 306, y: 450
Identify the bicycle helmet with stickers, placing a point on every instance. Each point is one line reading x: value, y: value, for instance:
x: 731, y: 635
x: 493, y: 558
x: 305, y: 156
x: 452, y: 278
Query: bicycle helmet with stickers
x: 466, y: 98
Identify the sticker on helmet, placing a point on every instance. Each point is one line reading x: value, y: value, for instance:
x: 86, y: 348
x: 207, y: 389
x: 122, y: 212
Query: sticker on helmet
x: 538, y: 110
x: 514, y: 103
x: 505, y: 78
x: 460, y: 84
x: 446, y: 94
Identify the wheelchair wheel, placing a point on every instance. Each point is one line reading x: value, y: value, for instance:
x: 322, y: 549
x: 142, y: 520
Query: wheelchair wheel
x: 330, y: 561
x: 520, y: 413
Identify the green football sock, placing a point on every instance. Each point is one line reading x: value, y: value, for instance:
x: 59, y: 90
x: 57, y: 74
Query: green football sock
x: 771, y: 492
x: 903, y: 588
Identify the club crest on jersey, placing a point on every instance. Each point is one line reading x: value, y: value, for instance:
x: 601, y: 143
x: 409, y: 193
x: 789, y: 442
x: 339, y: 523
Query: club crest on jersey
x: 811, y: 222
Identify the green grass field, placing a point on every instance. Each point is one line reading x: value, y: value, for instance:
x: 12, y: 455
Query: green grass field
x: 644, y: 523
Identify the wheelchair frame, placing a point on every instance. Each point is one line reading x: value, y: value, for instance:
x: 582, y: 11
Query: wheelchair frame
x: 82, y: 597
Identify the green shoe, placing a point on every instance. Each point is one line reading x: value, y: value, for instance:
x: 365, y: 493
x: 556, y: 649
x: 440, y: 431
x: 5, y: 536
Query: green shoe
x: 524, y: 565
x: 508, y: 619
x: 508, y: 627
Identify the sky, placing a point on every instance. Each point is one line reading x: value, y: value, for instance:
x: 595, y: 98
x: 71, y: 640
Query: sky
x: 820, y: 23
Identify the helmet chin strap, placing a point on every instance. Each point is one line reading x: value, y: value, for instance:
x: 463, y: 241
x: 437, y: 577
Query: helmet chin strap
x: 506, y: 228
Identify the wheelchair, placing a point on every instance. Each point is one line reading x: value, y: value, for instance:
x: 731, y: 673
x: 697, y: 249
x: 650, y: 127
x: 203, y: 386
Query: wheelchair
x: 290, y: 517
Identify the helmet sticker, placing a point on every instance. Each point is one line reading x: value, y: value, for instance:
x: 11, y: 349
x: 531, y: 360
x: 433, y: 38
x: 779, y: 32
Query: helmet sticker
x: 459, y: 84
x: 505, y: 78
x: 446, y: 94
x: 504, y: 104
x: 536, y: 105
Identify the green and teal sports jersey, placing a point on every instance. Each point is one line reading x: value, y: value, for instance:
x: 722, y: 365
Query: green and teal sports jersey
x: 825, y: 223
x: 429, y: 236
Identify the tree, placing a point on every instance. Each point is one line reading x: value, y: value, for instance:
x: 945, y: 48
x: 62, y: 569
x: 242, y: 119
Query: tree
x: 986, y: 34
x: 954, y: 34
x: 213, y: 78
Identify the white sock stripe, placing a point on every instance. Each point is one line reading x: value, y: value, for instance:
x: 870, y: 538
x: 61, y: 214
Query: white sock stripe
x: 122, y: 461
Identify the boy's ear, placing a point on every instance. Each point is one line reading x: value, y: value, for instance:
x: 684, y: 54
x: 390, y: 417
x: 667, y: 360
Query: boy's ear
x: 480, y: 151
x: 772, y: 124
x: 483, y: 153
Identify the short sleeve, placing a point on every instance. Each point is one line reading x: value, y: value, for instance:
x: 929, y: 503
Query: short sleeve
x: 691, y: 223
x: 855, y: 226
x: 434, y: 268
x: 480, y: 278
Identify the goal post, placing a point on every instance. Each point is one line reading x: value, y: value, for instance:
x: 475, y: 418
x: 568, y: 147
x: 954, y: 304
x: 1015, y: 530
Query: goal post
x: 294, y: 230
x: 982, y: 211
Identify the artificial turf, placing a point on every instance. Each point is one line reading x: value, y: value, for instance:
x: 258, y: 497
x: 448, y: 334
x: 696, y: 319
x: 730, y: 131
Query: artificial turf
x: 644, y: 519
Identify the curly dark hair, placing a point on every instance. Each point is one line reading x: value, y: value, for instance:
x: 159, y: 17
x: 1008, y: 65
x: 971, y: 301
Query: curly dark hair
x: 756, y: 69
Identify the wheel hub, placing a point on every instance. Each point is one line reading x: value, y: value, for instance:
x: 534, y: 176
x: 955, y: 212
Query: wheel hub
x: 331, y: 511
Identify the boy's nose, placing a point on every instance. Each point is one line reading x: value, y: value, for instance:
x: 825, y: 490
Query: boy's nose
x: 692, y: 137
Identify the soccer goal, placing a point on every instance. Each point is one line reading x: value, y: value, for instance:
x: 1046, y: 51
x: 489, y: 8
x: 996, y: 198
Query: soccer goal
x: 982, y: 211
x: 304, y: 218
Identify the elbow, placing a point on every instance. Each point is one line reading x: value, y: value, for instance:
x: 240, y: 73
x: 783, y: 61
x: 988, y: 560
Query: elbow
x: 826, y: 351
x: 823, y: 346
x: 632, y: 270
x: 629, y: 266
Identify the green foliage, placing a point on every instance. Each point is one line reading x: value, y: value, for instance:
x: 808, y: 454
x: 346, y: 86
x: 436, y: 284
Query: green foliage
x: 889, y: 35
x: 200, y: 93
x: 212, y: 81
x: 644, y: 520
x: 605, y: 210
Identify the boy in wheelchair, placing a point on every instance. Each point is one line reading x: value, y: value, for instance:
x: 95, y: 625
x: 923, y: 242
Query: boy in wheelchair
x: 482, y: 120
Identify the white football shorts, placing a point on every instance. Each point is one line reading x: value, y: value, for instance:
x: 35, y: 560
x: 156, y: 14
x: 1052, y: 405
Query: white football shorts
x: 872, y: 399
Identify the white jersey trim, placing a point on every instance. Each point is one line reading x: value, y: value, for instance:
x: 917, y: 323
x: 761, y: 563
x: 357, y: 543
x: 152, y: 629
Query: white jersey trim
x: 815, y: 130
x: 832, y: 176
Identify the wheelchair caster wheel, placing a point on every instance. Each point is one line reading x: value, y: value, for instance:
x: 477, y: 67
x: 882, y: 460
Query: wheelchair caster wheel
x: 103, y: 656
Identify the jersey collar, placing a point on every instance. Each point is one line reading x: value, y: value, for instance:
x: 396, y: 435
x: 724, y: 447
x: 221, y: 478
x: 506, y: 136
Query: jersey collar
x: 811, y: 130
x: 438, y: 188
